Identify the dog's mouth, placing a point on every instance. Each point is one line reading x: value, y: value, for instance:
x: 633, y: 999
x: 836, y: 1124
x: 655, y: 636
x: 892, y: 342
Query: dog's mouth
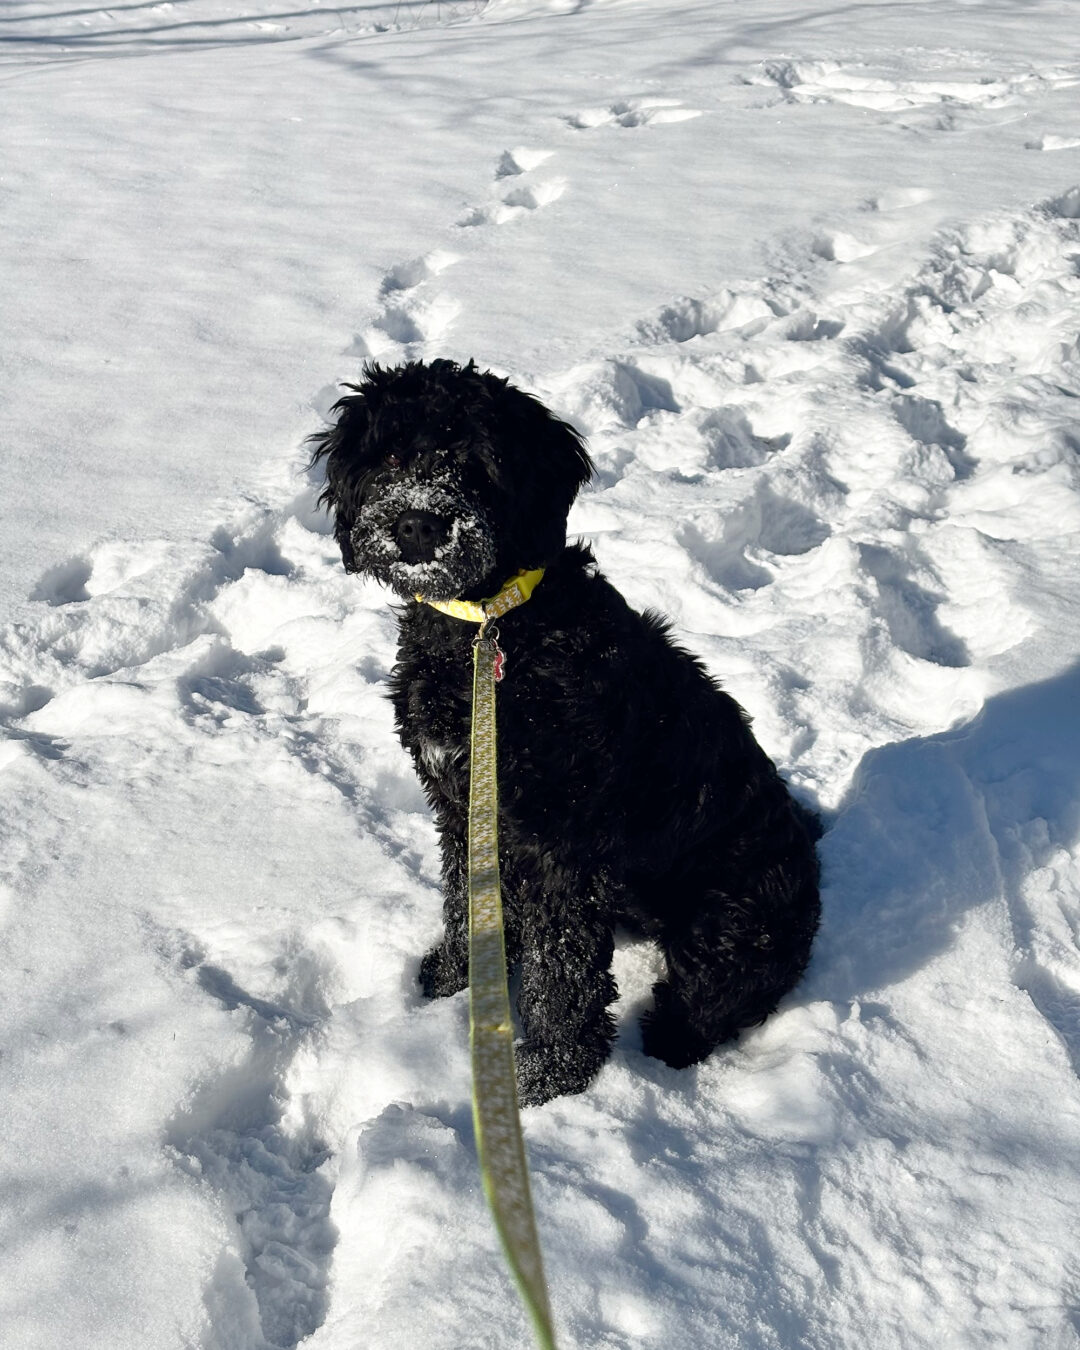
x: 424, y: 540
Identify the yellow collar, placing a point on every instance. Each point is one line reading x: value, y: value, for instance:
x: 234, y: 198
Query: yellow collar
x: 516, y: 591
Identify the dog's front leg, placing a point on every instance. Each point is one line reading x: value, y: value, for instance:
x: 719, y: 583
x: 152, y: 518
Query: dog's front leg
x: 566, y: 987
x: 445, y: 968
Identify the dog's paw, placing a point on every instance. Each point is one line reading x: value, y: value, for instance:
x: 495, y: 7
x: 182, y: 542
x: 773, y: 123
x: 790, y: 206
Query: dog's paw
x: 666, y: 1034
x: 442, y: 973
x: 546, y: 1071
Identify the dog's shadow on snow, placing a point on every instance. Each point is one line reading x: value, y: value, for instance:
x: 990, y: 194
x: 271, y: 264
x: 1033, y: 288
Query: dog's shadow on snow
x: 934, y: 828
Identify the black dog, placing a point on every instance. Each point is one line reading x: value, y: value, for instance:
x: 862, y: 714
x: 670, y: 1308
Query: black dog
x: 631, y: 790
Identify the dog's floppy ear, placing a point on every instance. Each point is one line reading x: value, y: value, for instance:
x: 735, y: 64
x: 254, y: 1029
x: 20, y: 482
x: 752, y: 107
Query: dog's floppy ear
x: 561, y: 454
x: 548, y: 464
x: 340, y: 449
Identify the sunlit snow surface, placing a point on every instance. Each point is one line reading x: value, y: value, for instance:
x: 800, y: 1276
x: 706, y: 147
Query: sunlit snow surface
x: 808, y: 277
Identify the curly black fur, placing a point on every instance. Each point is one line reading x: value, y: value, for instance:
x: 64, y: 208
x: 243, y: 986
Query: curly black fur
x: 631, y: 789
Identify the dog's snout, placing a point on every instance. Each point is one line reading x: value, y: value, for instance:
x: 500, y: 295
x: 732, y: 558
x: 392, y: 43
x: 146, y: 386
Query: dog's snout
x: 419, y: 535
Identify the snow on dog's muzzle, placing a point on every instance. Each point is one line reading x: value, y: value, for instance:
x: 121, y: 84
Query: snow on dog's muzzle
x: 424, y: 538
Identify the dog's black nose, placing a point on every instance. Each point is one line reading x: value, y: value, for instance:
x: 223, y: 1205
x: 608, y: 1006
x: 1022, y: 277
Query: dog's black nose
x: 419, y: 535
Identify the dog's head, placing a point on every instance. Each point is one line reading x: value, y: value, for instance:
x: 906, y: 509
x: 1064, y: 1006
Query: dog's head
x: 445, y: 480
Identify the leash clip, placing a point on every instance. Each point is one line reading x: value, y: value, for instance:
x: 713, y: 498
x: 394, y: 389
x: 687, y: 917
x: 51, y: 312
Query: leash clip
x: 490, y: 634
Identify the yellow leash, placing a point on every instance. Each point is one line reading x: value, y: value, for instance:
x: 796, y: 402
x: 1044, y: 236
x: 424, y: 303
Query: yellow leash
x: 497, y: 1123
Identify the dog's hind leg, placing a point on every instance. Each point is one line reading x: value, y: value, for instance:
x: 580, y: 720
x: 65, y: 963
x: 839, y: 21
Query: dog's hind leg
x: 566, y: 988
x: 727, y: 970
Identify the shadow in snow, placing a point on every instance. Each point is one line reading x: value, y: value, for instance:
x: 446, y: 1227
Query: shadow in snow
x: 241, y: 28
x: 937, y: 826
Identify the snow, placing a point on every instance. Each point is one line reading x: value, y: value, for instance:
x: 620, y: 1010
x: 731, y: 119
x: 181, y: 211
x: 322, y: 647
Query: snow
x: 807, y: 279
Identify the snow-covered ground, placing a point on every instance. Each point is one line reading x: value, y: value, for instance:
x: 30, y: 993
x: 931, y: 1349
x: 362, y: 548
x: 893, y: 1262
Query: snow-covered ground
x: 809, y: 279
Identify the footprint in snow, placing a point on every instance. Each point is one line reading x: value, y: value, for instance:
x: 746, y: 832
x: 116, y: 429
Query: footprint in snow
x: 64, y: 584
x: 529, y: 197
x: 746, y: 314
x: 767, y: 526
x: 411, y: 321
x: 839, y: 247
x: 686, y: 318
x: 899, y: 199
x: 1053, y: 142
x: 924, y: 420
x: 19, y: 701
x: 633, y: 113
x: 248, y: 550
x: 1067, y: 206
x: 410, y: 314
x: 125, y: 603
x: 858, y: 86
x: 406, y: 276
x: 522, y: 159
x: 518, y: 202
x: 909, y: 609
x: 988, y: 269
x: 732, y: 443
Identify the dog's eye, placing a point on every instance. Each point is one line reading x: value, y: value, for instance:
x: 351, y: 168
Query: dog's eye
x: 392, y: 462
